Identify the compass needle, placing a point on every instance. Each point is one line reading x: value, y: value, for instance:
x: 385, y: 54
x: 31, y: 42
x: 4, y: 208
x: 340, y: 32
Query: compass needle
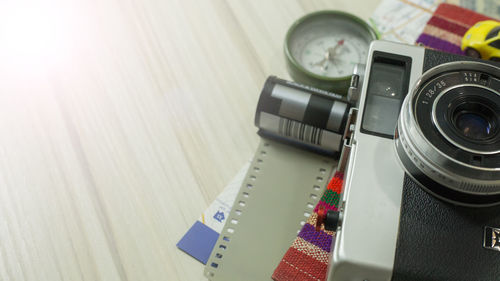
x: 320, y: 46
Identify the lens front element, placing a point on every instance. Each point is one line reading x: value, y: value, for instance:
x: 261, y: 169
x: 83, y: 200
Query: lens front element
x: 465, y: 115
x: 474, y: 124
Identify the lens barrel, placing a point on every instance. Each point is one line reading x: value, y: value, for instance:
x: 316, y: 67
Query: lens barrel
x: 448, y: 133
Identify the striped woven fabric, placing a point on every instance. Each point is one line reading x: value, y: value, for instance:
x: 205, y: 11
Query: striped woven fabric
x: 447, y: 26
x: 307, y: 258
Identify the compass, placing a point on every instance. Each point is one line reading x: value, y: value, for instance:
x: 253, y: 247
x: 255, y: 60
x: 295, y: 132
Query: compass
x: 322, y: 49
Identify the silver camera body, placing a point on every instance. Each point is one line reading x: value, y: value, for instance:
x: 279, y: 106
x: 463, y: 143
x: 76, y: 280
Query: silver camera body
x: 422, y: 177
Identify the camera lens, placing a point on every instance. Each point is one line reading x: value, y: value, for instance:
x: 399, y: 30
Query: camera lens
x: 448, y: 133
x: 473, y: 125
x: 468, y: 116
x: 473, y: 117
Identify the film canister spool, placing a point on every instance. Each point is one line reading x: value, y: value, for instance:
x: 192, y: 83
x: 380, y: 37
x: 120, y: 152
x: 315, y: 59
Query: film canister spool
x: 302, y: 115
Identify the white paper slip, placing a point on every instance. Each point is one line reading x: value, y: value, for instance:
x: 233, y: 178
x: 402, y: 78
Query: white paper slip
x: 200, y: 239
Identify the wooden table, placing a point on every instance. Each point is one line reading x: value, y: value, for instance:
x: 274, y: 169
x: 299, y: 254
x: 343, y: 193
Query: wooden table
x: 120, y: 121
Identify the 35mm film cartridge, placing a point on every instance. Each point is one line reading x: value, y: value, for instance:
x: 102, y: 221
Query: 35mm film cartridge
x: 302, y: 115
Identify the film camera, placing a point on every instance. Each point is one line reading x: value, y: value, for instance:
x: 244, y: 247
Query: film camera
x: 419, y: 138
x: 422, y: 176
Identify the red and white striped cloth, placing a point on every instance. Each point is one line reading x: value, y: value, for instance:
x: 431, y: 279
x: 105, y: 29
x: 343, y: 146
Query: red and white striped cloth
x: 447, y: 26
x: 307, y: 258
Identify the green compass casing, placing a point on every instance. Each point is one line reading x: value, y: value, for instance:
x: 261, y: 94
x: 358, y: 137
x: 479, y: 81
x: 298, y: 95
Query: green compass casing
x: 322, y: 48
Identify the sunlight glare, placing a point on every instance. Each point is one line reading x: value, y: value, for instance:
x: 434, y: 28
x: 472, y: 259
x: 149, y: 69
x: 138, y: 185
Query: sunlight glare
x: 34, y: 36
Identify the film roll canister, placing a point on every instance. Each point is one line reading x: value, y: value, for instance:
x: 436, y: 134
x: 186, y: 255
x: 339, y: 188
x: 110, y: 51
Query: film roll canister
x: 302, y: 115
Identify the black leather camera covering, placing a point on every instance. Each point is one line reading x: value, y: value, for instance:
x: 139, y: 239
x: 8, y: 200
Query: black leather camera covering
x: 441, y: 241
x: 438, y: 240
x: 435, y: 58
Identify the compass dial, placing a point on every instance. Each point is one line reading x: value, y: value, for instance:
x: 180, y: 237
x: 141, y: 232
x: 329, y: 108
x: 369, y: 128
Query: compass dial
x: 322, y: 48
x: 332, y: 56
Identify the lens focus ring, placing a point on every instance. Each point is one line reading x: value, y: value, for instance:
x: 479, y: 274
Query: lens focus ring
x: 449, y: 146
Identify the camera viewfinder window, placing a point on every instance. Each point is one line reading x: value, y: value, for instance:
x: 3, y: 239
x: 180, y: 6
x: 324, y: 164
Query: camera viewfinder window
x: 387, y: 88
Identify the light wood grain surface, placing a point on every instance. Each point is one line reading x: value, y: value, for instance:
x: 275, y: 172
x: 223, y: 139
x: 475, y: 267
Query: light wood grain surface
x: 121, y: 120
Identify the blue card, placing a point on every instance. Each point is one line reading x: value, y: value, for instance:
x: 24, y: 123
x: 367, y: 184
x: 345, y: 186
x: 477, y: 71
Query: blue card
x: 199, y: 241
x: 202, y: 236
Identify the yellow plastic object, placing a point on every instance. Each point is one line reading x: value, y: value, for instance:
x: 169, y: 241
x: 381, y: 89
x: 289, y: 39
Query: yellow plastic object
x: 483, y: 40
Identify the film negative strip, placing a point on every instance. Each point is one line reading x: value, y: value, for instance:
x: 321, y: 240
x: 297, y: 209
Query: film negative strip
x: 302, y: 115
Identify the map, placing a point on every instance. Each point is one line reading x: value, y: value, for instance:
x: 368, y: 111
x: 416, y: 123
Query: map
x: 404, y: 20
